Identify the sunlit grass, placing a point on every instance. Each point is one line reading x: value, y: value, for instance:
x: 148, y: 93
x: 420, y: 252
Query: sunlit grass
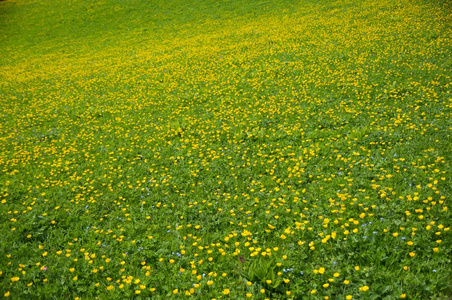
x: 221, y: 149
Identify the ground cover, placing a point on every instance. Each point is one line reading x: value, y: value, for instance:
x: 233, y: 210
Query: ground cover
x: 222, y: 149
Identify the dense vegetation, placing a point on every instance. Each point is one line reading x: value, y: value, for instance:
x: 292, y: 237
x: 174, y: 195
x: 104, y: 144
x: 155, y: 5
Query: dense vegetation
x: 225, y: 149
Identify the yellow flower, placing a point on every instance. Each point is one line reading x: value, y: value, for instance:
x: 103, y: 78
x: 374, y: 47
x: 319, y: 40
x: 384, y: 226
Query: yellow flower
x: 412, y: 254
x: 322, y: 270
x: 175, y: 291
x: 226, y: 291
x: 110, y: 287
x: 6, y: 294
x: 346, y: 281
x: 14, y: 279
x: 364, y: 288
x: 348, y: 297
x: 326, y: 285
x: 249, y: 295
x: 403, y: 296
x: 336, y: 275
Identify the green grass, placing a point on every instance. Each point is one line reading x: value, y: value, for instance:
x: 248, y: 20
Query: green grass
x: 225, y: 149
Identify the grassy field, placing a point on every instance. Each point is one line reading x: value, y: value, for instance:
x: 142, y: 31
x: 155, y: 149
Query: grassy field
x: 225, y: 149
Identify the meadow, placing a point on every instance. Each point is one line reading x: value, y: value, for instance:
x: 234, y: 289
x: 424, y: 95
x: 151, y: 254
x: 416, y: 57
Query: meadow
x: 225, y: 149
